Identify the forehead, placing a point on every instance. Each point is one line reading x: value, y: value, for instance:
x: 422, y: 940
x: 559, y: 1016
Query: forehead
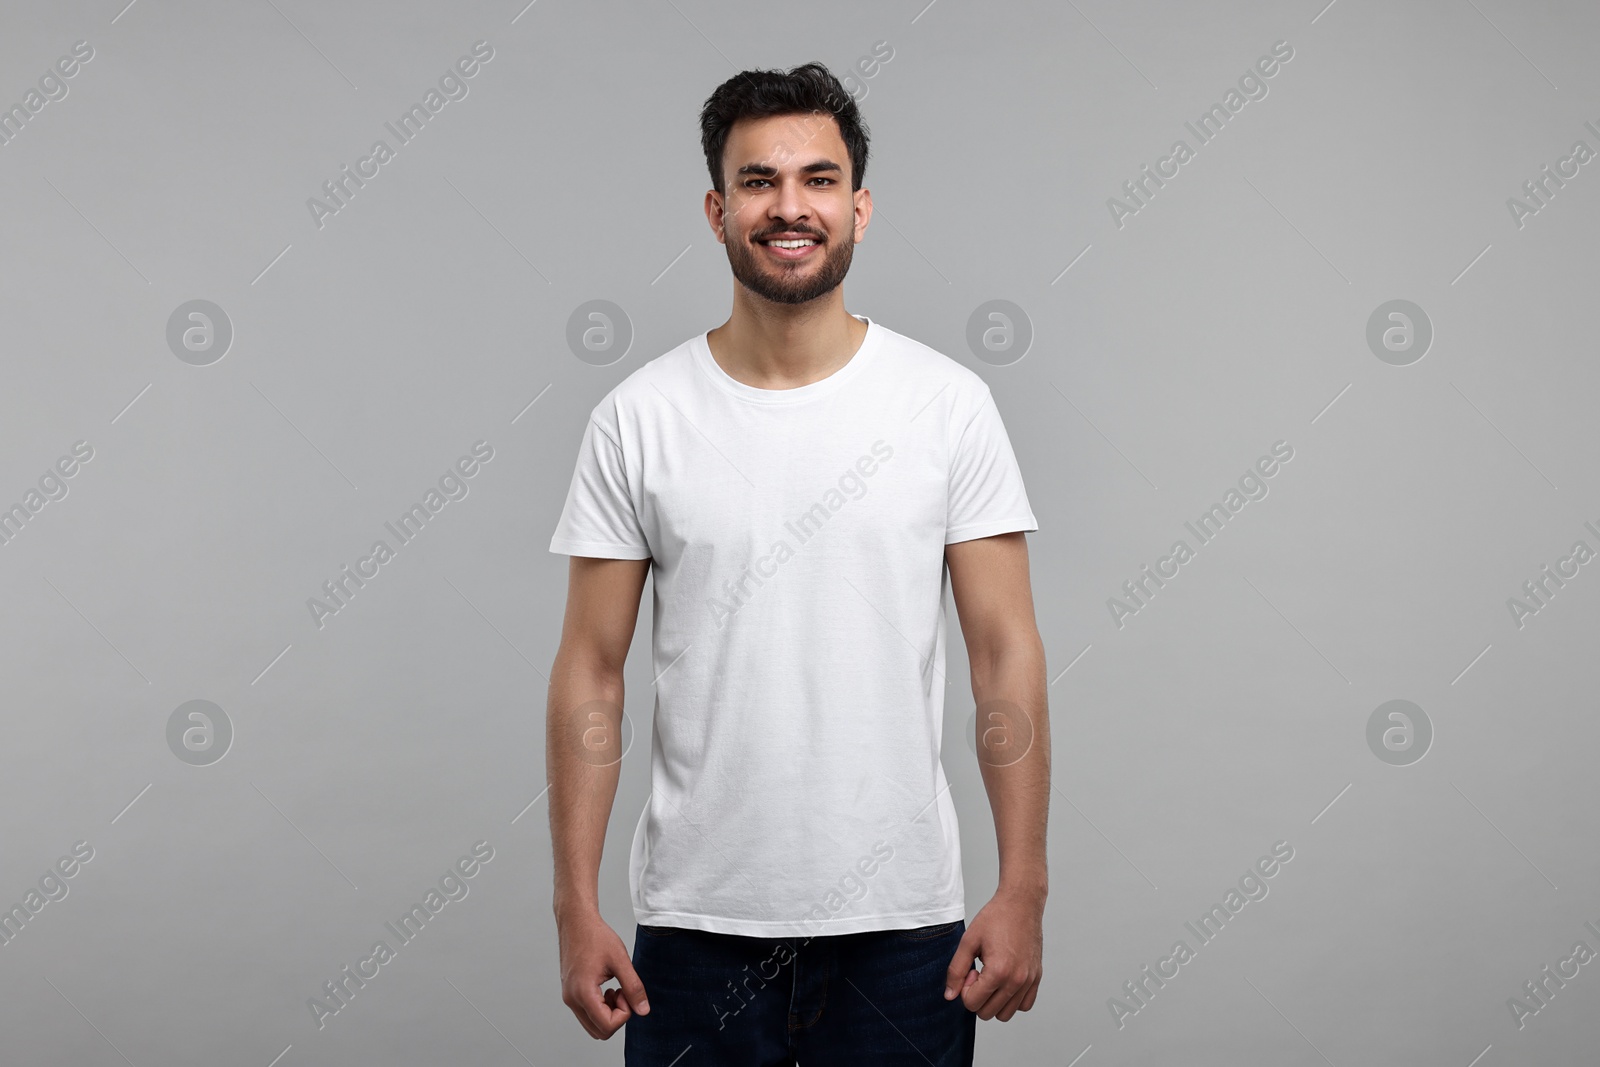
x: 786, y: 142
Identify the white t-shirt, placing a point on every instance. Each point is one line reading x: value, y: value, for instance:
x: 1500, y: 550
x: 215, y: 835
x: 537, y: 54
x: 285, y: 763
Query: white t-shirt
x: 797, y: 539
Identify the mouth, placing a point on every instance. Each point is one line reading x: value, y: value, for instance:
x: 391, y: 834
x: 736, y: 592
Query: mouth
x: 790, y: 248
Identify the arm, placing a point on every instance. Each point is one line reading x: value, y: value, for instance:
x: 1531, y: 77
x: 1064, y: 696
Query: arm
x: 583, y: 753
x: 989, y: 579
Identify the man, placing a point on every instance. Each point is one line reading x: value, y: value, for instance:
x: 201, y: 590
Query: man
x: 805, y: 484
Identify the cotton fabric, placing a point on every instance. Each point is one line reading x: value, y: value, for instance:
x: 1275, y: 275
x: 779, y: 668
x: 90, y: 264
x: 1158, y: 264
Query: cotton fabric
x: 797, y: 539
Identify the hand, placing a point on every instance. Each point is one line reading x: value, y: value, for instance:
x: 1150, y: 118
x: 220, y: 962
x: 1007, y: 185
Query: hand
x: 1007, y: 934
x: 591, y: 955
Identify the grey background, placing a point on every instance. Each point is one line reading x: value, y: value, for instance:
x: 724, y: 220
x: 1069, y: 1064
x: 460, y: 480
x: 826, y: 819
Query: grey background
x: 430, y: 313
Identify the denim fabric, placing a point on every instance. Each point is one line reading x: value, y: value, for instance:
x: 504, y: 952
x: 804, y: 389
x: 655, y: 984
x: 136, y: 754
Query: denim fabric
x: 722, y: 1000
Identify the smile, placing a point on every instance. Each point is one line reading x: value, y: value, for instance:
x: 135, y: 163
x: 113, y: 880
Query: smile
x: 797, y: 249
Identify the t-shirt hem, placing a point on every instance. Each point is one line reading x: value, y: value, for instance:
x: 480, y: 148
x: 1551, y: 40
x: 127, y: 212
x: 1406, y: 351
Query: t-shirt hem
x: 604, y: 550
x: 856, y: 924
x: 1022, y: 523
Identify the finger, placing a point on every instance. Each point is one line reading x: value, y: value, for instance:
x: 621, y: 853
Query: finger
x: 1013, y: 1005
x: 992, y: 1007
x: 583, y: 1020
x: 1033, y: 994
x: 603, y: 1019
x: 971, y: 980
x: 617, y: 1018
x: 977, y: 992
x: 621, y: 1012
x: 575, y: 1002
x: 991, y: 992
x: 956, y: 976
x: 632, y: 987
x: 616, y: 1001
x: 620, y: 1016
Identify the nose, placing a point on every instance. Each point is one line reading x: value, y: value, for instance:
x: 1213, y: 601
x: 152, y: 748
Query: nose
x: 790, y: 204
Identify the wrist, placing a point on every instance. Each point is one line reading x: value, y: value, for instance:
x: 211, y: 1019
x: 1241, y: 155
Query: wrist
x: 568, y: 907
x: 1032, y: 885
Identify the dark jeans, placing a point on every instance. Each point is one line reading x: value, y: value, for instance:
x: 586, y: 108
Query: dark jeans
x: 721, y: 1000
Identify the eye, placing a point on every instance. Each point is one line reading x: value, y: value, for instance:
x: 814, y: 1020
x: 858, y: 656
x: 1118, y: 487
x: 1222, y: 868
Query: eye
x: 751, y: 182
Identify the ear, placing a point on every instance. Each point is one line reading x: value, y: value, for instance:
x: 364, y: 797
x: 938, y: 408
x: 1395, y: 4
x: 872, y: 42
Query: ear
x: 863, y: 208
x: 716, y: 214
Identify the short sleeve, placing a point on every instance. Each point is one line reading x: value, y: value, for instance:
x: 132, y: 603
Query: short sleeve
x: 987, y: 496
x: 598, y: 518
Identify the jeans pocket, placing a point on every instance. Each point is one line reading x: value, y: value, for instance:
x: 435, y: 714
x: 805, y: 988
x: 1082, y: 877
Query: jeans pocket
x: 928, y: 933
x: 657, y: 931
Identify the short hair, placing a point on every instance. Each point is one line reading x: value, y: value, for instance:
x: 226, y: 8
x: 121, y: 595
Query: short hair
x: 807, y: 89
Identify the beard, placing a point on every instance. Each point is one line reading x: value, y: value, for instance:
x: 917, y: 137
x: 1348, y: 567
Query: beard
x: 790, y: 282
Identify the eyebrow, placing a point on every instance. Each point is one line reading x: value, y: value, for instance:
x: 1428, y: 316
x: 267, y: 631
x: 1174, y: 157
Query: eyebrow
x: 764, y: 170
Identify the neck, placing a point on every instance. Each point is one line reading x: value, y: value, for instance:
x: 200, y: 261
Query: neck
x: 779, y: 346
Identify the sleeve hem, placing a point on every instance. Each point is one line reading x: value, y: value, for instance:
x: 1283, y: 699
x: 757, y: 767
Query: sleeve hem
x: 1022, y: 523
x: 599, y: 549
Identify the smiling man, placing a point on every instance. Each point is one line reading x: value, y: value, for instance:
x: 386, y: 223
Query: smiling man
x: 804, y: 485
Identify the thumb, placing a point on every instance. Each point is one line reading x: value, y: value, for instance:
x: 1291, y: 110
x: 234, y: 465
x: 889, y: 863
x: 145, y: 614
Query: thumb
x: 632, y: 988
x: 955, y: 977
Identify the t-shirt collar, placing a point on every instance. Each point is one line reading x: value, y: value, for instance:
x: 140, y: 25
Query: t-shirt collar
x: 728, y: 384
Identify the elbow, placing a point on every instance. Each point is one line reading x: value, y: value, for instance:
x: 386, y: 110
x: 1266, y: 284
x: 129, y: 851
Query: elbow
x: 1008, y: 657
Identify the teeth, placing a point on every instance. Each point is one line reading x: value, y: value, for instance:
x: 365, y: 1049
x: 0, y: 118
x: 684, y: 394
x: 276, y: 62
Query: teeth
x: 791, y: 244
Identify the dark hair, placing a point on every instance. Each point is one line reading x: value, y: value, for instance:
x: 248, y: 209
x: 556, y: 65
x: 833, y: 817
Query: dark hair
x: 807, y: 89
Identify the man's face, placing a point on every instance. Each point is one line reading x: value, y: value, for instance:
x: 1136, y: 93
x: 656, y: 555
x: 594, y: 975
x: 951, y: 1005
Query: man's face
x: 788, y: 178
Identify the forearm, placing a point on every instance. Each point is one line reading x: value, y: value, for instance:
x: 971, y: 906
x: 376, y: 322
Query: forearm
x: 583, y: 753
x: 1009, y: 690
